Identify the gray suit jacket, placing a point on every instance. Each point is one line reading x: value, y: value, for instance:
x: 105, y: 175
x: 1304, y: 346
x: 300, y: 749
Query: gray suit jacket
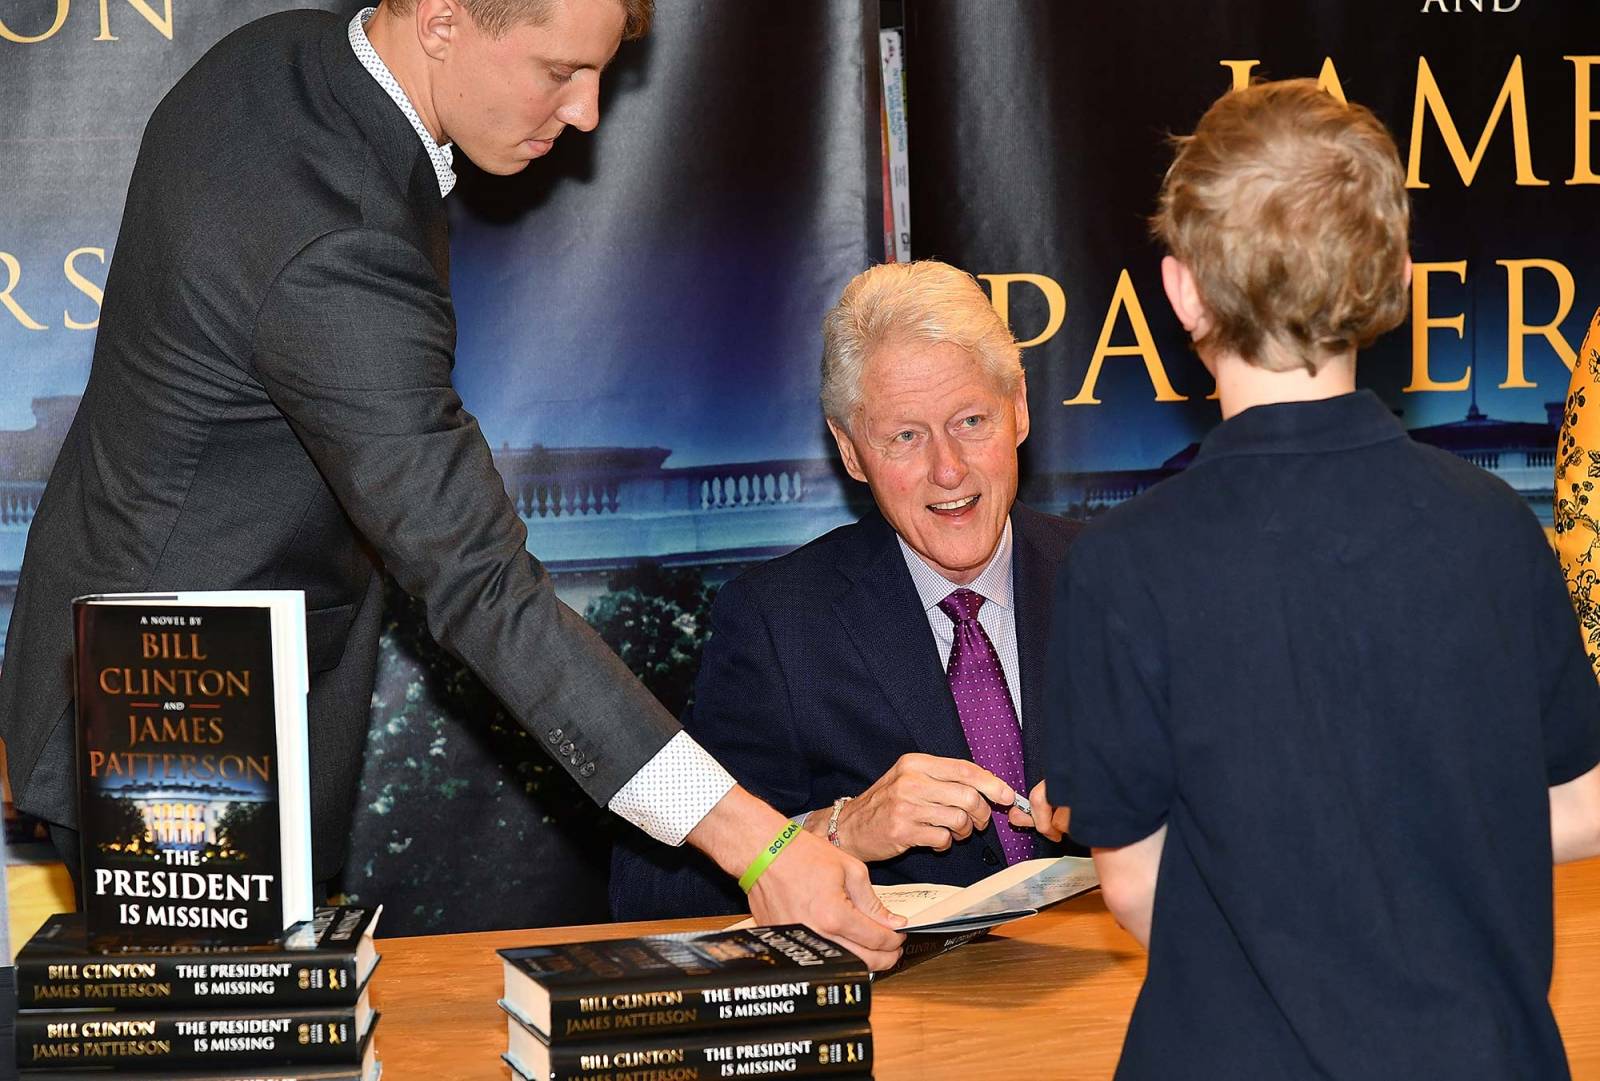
x: 270, y: 406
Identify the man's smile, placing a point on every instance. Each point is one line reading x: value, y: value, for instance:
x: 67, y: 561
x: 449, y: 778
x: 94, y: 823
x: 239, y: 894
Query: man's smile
x: 954, y: 507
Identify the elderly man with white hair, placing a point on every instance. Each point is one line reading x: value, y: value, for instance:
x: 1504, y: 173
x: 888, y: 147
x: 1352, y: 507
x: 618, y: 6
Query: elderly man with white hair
x: 880, y: 684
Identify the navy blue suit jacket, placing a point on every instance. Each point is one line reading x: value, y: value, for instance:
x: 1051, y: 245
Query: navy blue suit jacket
x: 821, y: 671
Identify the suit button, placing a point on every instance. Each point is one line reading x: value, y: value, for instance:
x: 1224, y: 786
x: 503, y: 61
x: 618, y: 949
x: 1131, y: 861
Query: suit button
x: 587, y: 770
x: 990, y: 858
x: 576, y: 757
x: 566, y: 748
x: 554, y: 736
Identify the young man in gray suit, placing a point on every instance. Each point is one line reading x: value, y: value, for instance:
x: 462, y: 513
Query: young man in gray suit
x: 270, y: 406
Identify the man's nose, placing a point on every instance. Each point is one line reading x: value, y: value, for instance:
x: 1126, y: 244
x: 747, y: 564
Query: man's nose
x: 581, y: 110
x: 949, y: 468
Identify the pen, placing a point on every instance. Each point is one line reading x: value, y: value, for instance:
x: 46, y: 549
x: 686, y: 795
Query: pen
x: 1023, y: 805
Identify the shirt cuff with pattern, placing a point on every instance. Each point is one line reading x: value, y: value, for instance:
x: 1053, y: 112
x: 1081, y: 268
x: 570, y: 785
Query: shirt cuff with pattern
x: 677, y: 788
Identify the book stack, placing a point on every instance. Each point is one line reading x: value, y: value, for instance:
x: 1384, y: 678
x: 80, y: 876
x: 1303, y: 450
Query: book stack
x: 297, y: 1008
x: 751, y: 1002
x: 199, y: 947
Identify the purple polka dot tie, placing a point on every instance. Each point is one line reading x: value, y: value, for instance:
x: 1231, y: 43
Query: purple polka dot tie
x: 983, y: 702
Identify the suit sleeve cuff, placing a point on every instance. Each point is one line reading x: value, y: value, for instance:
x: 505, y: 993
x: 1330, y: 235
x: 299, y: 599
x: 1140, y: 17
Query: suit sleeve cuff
x: 673, y: 791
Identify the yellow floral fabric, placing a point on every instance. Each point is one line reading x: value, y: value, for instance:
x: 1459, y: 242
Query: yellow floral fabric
x: 1577, y: 500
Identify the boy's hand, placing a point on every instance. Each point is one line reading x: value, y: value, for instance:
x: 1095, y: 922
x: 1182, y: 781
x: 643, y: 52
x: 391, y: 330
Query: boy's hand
x: 1049, y: 821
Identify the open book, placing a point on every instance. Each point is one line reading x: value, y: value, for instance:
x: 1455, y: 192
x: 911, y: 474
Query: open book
x: 1023, y: 889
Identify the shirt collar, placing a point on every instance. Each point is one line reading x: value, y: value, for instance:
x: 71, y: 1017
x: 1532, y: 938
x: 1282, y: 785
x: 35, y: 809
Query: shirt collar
x: 442, y: 157
x: 1358, y: 419
x: 993, y: 585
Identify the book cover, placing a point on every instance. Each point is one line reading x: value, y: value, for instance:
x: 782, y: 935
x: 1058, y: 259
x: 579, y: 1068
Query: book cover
x: 631, y: 987
x: 325, y: 962
x: 222, y: 1040
x: 795, y: 1051
x: 190, y: 832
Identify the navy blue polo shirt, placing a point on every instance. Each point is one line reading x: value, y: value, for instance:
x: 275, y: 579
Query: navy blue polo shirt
x: 1343, y: 669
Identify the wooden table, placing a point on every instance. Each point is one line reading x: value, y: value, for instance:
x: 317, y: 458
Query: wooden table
x: 1069, y: 975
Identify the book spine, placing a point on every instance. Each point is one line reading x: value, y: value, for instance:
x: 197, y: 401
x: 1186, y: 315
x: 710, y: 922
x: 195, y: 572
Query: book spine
x: 925, y: 947
x: 774, y: 1053
x: 645, y: 1012
x: 153, y: 983
x: 888, y: 187
x: 270, y: 1073
x: 67, y: 1040
x: 891, y: 50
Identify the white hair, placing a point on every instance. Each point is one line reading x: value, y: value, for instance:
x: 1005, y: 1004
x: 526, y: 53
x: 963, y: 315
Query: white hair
x: 925, y: 301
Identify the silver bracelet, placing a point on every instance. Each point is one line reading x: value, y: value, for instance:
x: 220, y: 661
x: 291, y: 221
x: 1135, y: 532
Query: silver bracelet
x: 833, y: 820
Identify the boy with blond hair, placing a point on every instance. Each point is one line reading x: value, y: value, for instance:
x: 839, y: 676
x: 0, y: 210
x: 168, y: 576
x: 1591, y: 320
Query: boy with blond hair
x: 1322, y: 709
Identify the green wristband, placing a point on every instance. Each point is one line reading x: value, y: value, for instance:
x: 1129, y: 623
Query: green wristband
x: 759, y: 865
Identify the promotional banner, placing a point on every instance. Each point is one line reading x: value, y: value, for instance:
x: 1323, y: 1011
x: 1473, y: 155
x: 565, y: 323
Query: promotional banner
x: 78, y: 80
x: 638, y: 336
x: 638, y: 312
x: 1039, y: 134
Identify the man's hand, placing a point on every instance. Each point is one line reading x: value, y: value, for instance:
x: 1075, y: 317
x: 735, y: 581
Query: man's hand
x: 809, y: 882
x: 922, y: 802
x: 813, y: 883
x: 1050, y: 822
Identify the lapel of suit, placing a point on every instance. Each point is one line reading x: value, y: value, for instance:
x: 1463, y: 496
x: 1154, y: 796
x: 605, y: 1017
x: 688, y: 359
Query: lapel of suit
x: 882, y: 615
x: 393, y: 141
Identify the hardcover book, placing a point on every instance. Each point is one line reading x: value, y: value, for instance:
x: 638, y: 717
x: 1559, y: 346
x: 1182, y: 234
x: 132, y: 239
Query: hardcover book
x: 1023, y: 889
x: 729, y: 979
x: 224, y: 1040
x: 816, y: 1050
x: 370, y: 1068
x: 941, y: 917
x: 193, y: 792
x: 325, y: 962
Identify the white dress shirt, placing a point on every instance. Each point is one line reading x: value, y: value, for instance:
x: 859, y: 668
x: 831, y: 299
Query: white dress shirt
x: 998, y: 616
x: 442, y: 157
x: 677, y: 788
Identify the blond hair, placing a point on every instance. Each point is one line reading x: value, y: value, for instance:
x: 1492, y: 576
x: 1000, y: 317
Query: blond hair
x: 1290, y: 209
x: 926, y: 301
x: 495, y: 17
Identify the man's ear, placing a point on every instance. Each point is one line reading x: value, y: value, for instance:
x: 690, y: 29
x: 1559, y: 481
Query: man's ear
x: 437, y: 22
x: 1184, y: 295
x: 1019, y: 402
x: 847, y: 451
